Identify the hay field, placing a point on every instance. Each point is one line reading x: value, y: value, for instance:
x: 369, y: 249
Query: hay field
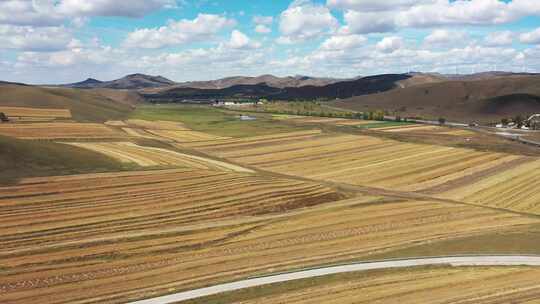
x: 59, y: 131
x: 362, y: 160
x: 514, y: 188
x: 20, y: 114
x: 112, y: 238
x: 435, y: 285
x: 143, y: 156
x: 426, y: 129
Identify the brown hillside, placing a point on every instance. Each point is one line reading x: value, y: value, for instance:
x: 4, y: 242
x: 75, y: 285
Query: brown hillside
x: 480, y: 100
x: 84, y: 105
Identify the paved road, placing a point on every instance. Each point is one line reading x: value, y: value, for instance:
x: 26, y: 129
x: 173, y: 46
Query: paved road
x: 303, y: 274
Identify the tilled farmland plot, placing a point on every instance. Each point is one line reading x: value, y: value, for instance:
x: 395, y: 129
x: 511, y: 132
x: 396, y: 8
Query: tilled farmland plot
x: 363, y: 160
x: 60, y: 131
x: 110, y: 238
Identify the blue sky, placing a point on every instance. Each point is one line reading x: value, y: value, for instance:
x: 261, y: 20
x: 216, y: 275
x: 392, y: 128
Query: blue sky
x: 57, y: 41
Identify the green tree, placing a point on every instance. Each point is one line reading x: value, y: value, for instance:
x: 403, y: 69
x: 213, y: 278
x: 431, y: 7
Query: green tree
x: 442, y: 121
x: 519, y: 121
x: 504, y: 121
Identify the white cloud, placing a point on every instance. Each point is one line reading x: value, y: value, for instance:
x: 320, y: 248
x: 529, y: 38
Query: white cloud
x: 263, y: 29
x: 531, y: 37
x: 344, y: 42
x: 131, y: 8
x: 28, y: 12
x: 375, y: 6
x: 263, y: 20
x: 239, y: 40
x: 56, y: 12
x: 305, y: 20
x: 499, y: 38
x: 390, y: 44
x: 202, y: 28
x: 443, y: 37
x: 27, y: 38
x: 363, y: 16
x: 364, y: 23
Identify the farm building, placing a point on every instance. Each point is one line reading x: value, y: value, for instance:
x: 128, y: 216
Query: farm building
x: 3, y: 117
x: 534, y: 122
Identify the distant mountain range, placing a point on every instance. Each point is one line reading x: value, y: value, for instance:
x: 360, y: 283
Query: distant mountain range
x: 154, y: 83
x: 129, y: 82
x: 338, y: 89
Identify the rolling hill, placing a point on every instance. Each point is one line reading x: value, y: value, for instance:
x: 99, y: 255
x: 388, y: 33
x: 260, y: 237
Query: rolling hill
x: 129, y: 82
x: 85, y: 105
x: 483, y: 100
x: 342, y: 89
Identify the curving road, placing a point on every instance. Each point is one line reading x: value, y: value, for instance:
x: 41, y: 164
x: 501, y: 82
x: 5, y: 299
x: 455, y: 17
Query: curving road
x: 508, y: 260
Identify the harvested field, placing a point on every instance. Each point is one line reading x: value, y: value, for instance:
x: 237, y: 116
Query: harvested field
x: 234, y: 143
x: 185, y: 136
x: 426, y: 129
x: 361, y: 160
x: 514, y: 188
x: 60, y: 131
x: 479, y: 285
x: 157, y: 125
x: 35, y: 112
x: 149, y: 156
x: 111, y: 238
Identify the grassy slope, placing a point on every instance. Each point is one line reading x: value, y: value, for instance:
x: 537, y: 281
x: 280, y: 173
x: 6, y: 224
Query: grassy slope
x: 85, y: 106
x: 456, y: 100
x: 21, y: 158
x: 212, y: 120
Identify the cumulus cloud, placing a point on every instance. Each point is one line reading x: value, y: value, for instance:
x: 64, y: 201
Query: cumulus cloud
x: 263, y: 23
x: 442, y: 37
x: 263, y: 20
x: 54, y: 13
x: 28, y: 12
x: 202, y: 28
x: 375, y: 6
x: 344, y: 42
x: 131, y: 8
x: 304, y: 20
x: 499, y: 38
x: 263, y: 29
x: 27, y: 38
x: 239, y: 40
x: 365, y: 23
x: 364, y: 16
x: 390, y: 44
x: 531, y: 37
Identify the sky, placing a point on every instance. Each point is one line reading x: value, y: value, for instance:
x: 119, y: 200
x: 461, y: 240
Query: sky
x: 63, y: 41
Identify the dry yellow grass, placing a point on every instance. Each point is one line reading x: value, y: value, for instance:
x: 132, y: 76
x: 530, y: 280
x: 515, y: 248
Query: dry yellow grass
x: 156, y: 125
x: 185, y: 136
x: 60, y: 131
x: 514, y: 189
x: 480, y: 285
x: 111, y: 238
x: 128, y: 152
x: 361, y: 160
x: 19, y: 113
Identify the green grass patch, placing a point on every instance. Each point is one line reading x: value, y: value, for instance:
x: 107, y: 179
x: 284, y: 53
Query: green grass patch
x: 24, y: 158
x: 214, y: 121
x: 383, y: 124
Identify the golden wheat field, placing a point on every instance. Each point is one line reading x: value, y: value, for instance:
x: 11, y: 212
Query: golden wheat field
x: 60, y: 131
x: 110, y: 238
x: 436, y: 285
x: 34, y: 114
x: 514, y: 188
x: 362, y: 160
x: 144, y: 156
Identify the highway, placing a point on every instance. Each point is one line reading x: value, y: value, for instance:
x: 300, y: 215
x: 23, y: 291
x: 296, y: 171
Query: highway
x: 506, y: 260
